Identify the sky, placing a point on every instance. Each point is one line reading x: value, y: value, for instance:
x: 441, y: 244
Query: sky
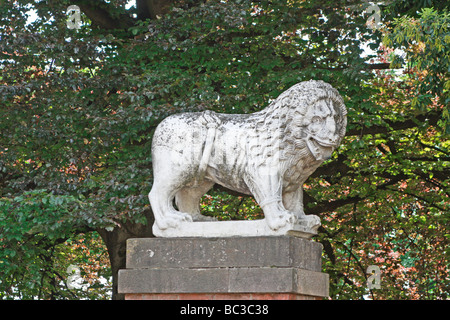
x: 33, y: 16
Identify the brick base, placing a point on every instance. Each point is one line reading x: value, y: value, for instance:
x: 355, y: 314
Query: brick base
x: 218, y: 296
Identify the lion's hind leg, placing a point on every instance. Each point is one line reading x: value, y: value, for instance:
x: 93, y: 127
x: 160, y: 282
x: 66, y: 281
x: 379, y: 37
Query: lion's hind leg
x: 168, y: 180
x: 188, y: 200
x: 161, y: 200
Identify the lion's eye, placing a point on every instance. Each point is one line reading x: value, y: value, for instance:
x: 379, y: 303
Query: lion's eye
x: 316, y: 124
x: 316, y: 120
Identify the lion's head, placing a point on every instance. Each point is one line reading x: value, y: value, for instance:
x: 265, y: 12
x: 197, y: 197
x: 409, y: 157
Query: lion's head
x: 323, y: 126
x: 313, y: 117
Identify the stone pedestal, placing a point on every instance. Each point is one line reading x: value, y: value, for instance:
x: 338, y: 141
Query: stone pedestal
x: 282, y: 267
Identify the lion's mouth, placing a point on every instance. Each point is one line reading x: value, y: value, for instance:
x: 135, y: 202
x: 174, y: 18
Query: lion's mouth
x: 323, y: 143
x: 320, y: 149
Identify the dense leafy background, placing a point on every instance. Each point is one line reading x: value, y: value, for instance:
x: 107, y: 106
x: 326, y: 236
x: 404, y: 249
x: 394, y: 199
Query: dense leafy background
x: 78, y: 108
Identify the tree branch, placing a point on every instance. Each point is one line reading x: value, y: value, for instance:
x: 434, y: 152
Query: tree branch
x: 337, y: 166
x: 101, y: 17
x: 432, y: 118
x: 331, y: 205
x: 378, y: 66
x: 151, y: 9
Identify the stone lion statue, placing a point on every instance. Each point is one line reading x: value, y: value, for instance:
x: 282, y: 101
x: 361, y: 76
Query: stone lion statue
x: 268, y: 154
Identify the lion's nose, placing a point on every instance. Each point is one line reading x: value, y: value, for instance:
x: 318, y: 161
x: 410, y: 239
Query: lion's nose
x: 330, y: 124
x: 333, y: 139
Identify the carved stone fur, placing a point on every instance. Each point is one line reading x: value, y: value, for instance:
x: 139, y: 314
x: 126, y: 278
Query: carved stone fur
x: 268, y: 154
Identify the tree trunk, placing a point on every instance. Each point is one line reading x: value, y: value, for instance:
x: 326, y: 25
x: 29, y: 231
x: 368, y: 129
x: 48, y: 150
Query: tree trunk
x: 152, y: 8
x: 116, y: 242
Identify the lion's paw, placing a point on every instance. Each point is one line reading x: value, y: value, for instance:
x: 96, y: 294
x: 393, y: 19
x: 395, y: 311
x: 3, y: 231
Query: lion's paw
x: 310, y: 221
x: 281, y: 220
x: 200, y: 217
x: 174, y: 219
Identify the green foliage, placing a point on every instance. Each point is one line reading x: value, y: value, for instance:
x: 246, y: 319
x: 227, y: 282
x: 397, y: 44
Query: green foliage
x: 224, y: 206
x: 426, y: 41
x: 34, y: 259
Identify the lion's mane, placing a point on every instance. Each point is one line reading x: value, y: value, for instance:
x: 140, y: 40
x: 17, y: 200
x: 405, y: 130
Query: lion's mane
x: 278, y: 129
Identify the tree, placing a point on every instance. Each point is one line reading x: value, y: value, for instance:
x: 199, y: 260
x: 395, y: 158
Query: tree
x: 79, y: 106
x: 426, y: 43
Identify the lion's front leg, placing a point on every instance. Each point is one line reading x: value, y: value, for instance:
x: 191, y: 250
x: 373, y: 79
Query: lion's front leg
x: 268, y: 193
x: 293, y: 201
x: 275, y: 213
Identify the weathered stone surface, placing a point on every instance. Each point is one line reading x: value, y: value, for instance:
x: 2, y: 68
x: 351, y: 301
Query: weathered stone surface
x: 241, y: 228
x: 282, y: 251
x: 172, y: 280
x: 219, y: 296
x: 254, y: 265
x: 312, y: 283
x: 268, y: 154
x: 224, y: 280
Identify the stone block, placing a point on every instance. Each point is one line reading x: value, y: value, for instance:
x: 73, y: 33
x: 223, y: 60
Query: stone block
x: 304, y: 228
x: 224, y: 280
x: 284, y: 251
x: 156, y: 280
x: 219, y: 296
x: 242, y: 267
